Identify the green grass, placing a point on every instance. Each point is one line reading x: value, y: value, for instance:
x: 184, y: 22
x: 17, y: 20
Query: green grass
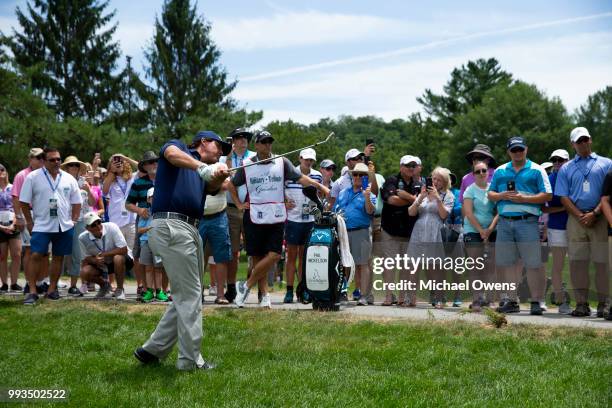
x: 283, y: 358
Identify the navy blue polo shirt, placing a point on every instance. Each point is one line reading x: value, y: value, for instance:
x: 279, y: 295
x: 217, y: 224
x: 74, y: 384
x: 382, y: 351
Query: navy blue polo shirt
x: 178, y: 189
x: 556, y: 220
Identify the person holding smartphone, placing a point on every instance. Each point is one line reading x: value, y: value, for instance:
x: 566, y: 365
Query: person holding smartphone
x: 432, y: 205
x: 359, y: 203
x: 520, y: 188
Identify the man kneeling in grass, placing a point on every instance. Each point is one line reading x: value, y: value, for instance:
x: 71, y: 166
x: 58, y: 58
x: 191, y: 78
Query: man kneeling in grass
x: 105, y: 252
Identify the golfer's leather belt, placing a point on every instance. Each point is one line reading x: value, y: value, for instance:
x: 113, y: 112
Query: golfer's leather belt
x: 176, y: 216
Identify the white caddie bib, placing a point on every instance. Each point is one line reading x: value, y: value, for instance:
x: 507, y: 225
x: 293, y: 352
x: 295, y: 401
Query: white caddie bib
x: 266, y: 187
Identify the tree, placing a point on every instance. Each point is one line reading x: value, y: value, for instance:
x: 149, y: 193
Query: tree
x: 464, y: 90
x: 183, y: 65
x: 66, y: 45
x: 596, y: 116
x: 518, y: 109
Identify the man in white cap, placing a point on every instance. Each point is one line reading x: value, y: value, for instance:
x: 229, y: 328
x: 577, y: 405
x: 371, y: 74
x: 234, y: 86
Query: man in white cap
x: 299, y: 220
x: 352, y: 157
x: 105, y: 251
x: 580, y: 184
x: 557, y: 233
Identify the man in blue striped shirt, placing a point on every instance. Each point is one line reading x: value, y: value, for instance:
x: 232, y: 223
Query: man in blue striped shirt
x: 580, y: 184
x: 520, y: 187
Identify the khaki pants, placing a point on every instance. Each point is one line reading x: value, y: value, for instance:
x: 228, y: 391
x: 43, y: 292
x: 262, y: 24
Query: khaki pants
x: 180, y: 247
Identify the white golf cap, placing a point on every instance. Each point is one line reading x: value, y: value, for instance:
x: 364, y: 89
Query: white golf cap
x: 351, y: 154
x: 344, y: 170
x: 308, y: 154
x: 579, y: 132
x: 546, y: 165
x: 90, y: 218
x: 150, y: 192
x: 562, y: 153
x: 407, y: 159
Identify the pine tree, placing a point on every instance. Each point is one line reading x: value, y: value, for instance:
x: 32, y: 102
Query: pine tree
x: 67, y: 47
x: 184, y: 66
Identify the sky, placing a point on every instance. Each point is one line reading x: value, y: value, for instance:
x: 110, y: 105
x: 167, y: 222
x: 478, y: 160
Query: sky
x: 307, y: 60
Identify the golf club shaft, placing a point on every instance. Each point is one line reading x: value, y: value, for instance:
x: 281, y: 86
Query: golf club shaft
x: 284, y: 154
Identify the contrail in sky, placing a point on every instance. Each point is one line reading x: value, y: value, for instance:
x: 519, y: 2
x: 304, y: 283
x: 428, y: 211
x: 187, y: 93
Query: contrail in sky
x: 422, y: 47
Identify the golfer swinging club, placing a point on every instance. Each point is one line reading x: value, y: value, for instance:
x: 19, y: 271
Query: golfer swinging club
x: 184, y: 176
x: 265, y: 212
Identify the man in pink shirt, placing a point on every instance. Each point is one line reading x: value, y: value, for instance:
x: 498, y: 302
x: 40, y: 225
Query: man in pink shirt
x: 35, y: 158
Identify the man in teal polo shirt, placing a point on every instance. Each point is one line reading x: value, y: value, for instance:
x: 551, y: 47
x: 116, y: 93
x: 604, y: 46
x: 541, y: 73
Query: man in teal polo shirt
x: 520, y: 187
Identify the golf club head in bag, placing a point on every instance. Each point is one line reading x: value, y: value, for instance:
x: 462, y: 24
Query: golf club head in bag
x: 311, y: 193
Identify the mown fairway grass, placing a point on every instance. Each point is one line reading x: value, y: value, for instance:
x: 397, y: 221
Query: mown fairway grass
x: 284, y: 358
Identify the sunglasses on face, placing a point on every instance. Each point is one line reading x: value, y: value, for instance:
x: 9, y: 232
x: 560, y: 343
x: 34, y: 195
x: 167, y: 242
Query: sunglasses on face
x: 480, y: 171
x: 55, y: 160
x: 2, y: 170
x: 517, y: 150
x: 329, y: 168
x: 150, y: 162
x: 73, y: 165
x: 582, y: 140
x: 358, y: 158
x: 359, y: 175
x: 95, y: 224
x: 411, y: 165
x: 557, y: 160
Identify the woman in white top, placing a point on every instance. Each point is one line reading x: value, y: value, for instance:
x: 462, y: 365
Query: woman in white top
x: 432, y: 205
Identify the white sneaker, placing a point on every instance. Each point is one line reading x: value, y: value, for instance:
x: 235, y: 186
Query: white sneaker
x: 242, y: 292
x: 362, y: 301
x: 83, y: 289
x: 266, y: 302
x: 61, y: 284
x: 119, y: 294
x: 543, y: 306
x: 212, y: 291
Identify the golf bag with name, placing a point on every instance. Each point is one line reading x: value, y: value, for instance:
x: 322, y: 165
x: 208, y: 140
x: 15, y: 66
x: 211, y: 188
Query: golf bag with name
x: 322, y: 269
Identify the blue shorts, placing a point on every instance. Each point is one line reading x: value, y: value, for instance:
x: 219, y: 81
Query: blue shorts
x: 297, y: 233
x: 214, y: 231
x: 518, y: 238
x: 61, y: 242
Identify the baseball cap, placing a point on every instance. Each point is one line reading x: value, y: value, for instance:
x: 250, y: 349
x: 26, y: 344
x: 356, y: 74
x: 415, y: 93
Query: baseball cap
x: 353, y: 153
x: 150, y: 192
x: 327, y: 163
x: 562, y: 153
x: 35, y: 151
x: 90, y: 218
x: 263, y: 135
x: 241, y: 132
x: 516, y: 141
x: 579, y: 132
x: 210, y: 135
x: 308, y: 154
x: 407, y: 159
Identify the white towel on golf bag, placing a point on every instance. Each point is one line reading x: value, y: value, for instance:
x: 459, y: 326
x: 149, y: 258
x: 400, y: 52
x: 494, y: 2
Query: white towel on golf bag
x: 346, y: 258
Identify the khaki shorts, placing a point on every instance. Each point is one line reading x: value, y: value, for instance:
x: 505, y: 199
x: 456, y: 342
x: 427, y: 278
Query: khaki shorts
x: 234, y: 216
x: 587, y: 244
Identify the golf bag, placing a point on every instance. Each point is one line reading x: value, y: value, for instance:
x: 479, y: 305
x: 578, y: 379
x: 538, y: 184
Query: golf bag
x: 321, y: 264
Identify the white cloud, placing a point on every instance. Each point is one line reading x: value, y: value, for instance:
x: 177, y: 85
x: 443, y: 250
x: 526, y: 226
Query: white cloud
x: 571, y: 67
x: 291, y: 29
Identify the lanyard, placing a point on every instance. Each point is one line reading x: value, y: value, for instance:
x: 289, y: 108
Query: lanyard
x: 98, y: 246
x: 123, y: 189
x: 235, y: 162
x: 586, y: 175
x: 53, y: 188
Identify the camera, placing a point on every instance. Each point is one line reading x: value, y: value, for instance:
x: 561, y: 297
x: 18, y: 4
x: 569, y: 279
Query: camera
x: 428, y: 182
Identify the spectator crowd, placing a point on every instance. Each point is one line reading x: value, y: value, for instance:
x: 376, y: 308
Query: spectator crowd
x: 64, y: 216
